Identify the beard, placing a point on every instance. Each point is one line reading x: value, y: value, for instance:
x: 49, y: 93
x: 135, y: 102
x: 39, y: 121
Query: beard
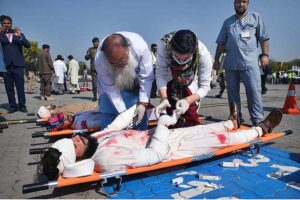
x: 240, y: 11
x: 124, y: 77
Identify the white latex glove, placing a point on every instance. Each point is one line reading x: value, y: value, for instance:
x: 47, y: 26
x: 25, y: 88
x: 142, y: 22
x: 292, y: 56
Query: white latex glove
x: 167, y: 120
x: 122, y: 121
x: 139, y: 114
x: 182, y: 106
x: 161, y: 107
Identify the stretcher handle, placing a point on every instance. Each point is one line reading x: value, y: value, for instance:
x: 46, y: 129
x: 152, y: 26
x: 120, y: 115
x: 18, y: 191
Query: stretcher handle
x: 41, y: 123
x: 31, y: 114
x: 3, y: 126
x: 38, y: 150
x: 34, y: 187
x: 38, y: 134
x: 288, y: 132
x: 28, y: 121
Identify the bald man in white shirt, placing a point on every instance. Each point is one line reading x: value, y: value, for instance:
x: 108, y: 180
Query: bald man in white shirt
x: 124, y: 75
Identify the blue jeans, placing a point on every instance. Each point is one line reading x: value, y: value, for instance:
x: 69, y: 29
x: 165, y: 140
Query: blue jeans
x: 252, y: 82
x: 109, y: 112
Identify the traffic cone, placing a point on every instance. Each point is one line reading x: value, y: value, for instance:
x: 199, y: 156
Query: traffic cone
x: 291, y: 101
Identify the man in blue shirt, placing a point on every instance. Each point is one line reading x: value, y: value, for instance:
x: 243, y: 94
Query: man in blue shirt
x: 241, y: 35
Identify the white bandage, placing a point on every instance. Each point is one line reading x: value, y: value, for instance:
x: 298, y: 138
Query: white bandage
x: 122, y: 121
x: 167, y: 120
x: 68, y: 156
x: 43, y: 112
x: 81, y: 168
x: 243, y: 136
x: 157, y: 150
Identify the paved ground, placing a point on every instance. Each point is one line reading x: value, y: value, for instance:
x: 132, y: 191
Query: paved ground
x: 16, y: 168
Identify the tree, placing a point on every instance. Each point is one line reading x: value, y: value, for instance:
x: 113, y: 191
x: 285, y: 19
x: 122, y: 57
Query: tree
x: 31, y: 53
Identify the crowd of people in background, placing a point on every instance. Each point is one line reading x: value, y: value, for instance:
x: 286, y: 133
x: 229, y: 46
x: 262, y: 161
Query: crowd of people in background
x: 125, y: 71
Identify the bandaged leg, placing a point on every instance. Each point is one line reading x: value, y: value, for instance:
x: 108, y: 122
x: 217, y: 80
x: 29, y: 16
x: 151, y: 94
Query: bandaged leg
x: 157, y: 150
x: 213, y: 127
x: 244, y: 136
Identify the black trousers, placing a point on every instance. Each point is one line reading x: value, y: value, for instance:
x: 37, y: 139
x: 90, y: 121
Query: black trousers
x: 15, y: 77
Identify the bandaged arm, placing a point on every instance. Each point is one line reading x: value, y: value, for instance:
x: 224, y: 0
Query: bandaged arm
x: 157, y: 150
x: 159, y: 146
x: 122, y: 121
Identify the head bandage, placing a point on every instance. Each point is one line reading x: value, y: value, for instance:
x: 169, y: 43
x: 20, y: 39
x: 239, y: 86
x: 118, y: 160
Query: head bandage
x: 81, y: 168
x: 43, y: 112
x: 68, y: 156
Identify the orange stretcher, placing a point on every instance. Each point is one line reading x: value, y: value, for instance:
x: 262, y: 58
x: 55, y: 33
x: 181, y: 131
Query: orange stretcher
x: 63, y: 132
x: 102, y: 177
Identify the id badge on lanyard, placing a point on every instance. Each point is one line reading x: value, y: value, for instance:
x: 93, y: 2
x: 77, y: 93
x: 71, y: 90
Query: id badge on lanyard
x: 245, y: 34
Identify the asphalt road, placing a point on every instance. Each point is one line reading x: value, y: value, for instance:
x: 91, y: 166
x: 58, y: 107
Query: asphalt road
x: 17, y: 166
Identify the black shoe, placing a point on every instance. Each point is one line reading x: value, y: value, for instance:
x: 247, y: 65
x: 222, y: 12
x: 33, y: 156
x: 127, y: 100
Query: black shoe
x: 24, y: 109
x: 242, y: 120
x: 12, y: 110
x: 218, y: 96
x: 95, y: 99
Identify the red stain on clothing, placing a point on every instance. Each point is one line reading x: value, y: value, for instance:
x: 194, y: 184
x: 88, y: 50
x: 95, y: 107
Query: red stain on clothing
x: 222, y: 138
x: 111, y: 141
x: 144, y: 137
x: 128, y: 134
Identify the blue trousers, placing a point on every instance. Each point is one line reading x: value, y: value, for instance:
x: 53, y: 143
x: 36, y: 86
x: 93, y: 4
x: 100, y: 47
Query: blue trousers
x: 252, y: 82
x: 109, y: 112
x: 15, y: 77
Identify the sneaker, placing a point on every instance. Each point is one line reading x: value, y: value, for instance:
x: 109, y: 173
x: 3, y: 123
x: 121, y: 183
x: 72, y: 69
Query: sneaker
x: 23, y: 109
x: 271, y: 121
x: 42, y: 97
x: 49, y: 98
x: 234, y: 115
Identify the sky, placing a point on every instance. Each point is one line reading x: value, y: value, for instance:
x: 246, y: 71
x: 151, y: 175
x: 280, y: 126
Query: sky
x: 68, y: 26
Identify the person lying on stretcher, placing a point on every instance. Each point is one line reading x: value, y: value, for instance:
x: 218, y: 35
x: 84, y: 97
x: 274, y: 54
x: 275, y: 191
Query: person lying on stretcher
x: 113, y: 150
x: 89, y: 120
x: 78, y: 121
x: 51, y: 110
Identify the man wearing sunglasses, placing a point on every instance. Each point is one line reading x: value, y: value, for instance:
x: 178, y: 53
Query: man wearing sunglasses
x: 183, y: 75
x: 124, y: 75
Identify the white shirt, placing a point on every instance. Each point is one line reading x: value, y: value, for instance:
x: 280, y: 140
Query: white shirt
x: 139, y: 49
x: 201, y: 82
x: 73, y: 71
x: 60, y: 68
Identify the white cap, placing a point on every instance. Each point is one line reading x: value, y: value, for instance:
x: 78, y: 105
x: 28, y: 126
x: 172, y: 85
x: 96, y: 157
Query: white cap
x: 43, y: 112
x: 68, y: 155
x: 81, y: 168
